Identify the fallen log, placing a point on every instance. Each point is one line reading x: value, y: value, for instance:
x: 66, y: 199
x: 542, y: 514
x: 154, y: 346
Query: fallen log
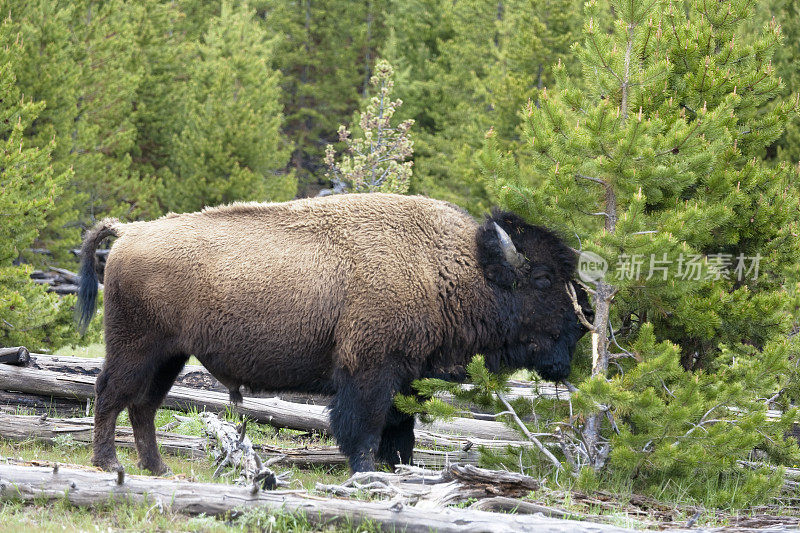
x: 328, y: 455
x: 513, y: 505
x: 87, y: 488
x: 67, y: 288
x: 58, y: 280
x: 197, y: 376
x: 791, y: 476
x: 194, y: 376
x: 68, y: 275
x: 29, y: 404
x: 426, y: 437
x: 17, y: 355
x: 273, y: 411
x: 45, y: 429
x: 434, y: 489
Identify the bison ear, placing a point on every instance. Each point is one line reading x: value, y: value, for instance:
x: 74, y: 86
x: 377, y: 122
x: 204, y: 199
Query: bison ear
x: 499, y: 259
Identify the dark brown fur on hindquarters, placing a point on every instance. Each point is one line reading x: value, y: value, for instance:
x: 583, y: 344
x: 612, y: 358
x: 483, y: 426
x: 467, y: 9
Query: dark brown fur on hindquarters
x: 355, y: 295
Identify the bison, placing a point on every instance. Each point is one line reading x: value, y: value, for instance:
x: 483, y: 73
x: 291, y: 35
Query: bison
x: 351, y: 295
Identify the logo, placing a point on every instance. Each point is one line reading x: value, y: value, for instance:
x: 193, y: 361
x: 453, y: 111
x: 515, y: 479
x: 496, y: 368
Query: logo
x: 591, y: 267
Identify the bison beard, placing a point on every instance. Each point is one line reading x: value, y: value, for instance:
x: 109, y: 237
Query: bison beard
x: 355, y: 295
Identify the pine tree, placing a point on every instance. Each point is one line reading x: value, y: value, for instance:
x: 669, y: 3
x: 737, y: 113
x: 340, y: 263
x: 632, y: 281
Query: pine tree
x: 230, y: 146
x: 464, y: 68
x: 533, y: 35
x: 29, y: 188
x: 651, y: 163
x: 105, y: 131
x: 80, y: 60
x: 786, y: 13
x: 163, y: 52
x: 326, y: 57
x: 46, y: 72
x: 376, y: 160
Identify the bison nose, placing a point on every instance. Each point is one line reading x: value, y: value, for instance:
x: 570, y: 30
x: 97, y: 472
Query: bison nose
x: 556, y: 371
x: 554, y: 363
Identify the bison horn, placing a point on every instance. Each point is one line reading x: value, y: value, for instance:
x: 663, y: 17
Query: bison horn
x: 510, y: 252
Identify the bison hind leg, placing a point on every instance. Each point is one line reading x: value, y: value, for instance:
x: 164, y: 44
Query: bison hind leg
x: 397, y: 439
x: 109, y: 403
x: 143, y: 409
x: 133, y: 376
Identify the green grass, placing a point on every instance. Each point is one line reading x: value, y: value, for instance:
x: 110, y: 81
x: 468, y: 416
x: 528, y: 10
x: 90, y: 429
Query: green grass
x: 93, y: 350
x: 97, y: 350
x: 124, y: 516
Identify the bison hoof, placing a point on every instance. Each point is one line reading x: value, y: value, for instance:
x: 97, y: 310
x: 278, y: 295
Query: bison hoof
x: 364, y: 462
x: 109, y: 465
x: 159, y: 469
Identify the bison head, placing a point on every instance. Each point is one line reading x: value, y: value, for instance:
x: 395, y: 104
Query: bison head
x: 530, y: 267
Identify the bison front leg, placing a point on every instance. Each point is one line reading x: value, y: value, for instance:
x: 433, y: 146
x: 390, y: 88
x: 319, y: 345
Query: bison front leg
x: 358, y: 417
x: 397, y: 439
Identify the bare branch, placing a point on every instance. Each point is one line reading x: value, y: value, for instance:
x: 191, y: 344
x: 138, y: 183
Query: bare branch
x: 528, y: 434
x: 578, y: 310
x: 591, y: 178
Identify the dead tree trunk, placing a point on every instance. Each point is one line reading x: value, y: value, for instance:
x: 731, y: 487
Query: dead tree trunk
x: 196, y: 376
x: 431, y: 489
x: 91, y: 488
x: 14, y: 402
x: 24, y: 427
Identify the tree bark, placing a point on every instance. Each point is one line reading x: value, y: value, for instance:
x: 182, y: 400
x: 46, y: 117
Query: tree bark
x: 432, y: 489
x: 328, y: 455
x: 14, y: 402
x: 512, y: 505
x: 92, y: 488
x: 604, y: 293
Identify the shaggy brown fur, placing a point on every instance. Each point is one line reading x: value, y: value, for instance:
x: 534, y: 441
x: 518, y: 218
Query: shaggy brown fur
x: 353, y: 294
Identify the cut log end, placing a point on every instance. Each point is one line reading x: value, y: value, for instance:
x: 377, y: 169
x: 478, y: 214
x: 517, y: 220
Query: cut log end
x: 18, y: 355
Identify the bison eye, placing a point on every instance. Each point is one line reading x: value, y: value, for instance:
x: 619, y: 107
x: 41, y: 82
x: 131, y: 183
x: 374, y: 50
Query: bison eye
x: 541, y: 281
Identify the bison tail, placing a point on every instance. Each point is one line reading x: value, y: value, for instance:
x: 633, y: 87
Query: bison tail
x: 87, y: 285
